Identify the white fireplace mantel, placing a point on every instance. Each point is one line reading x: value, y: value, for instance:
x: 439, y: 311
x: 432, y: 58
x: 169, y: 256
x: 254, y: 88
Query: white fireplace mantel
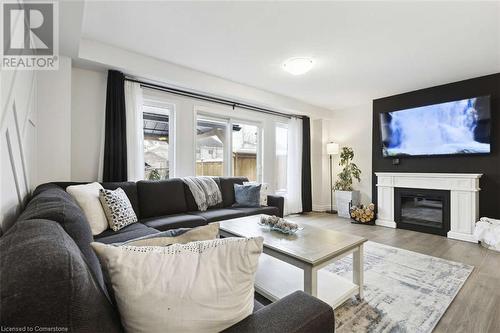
x: 464, y: 198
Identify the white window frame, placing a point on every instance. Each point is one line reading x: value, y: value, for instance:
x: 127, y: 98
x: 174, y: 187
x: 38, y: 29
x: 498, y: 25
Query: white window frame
x: 154, y: 99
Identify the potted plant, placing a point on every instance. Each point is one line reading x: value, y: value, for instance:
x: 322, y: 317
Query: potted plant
x: 344, y: 193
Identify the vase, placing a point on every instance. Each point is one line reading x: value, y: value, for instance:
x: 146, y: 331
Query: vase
x: 342, y: 200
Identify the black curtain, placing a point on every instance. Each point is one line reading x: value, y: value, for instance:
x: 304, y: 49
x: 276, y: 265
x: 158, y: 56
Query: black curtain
x: 115, y: 138
x: 306, y: 166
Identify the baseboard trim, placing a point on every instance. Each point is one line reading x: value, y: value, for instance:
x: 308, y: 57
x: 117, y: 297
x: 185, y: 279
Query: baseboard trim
x: 322, y: 207
x: 462, y: 236
x: 385, y: 223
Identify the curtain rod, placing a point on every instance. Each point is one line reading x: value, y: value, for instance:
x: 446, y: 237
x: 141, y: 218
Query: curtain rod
x: 213, y: 99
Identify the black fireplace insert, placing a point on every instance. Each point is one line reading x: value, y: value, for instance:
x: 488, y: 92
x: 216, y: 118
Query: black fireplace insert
x: 422, y: 210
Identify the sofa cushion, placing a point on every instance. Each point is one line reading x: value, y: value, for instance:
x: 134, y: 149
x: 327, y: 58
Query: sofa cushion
x: 87, y: 197
x: 159, y: 198
x: 247, y: 195
x: 51, y: 202
x: 117, y: 208
x: 190, y: 202
x: 264, y: 191
x: 130, y: 189
x: 45, y: 282
x: 227, y: 189
x: 269, y: 210
x: 175, y: 221
x: 178, y: 288
x: 131, y: 231
x: 213, y: 215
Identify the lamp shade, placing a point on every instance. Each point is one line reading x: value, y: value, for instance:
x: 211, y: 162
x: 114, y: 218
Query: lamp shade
x: 332, y: 148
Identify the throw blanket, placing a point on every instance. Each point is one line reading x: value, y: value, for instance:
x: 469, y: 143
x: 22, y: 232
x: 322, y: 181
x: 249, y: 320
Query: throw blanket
x: 205, y: 191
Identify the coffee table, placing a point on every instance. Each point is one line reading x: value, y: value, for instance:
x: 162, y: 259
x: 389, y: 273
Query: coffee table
x: 294, y: 262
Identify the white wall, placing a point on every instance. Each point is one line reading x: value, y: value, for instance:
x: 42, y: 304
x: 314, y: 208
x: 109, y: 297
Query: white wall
x: 54, y: 123
x: 18, y: 140
x: 353, y: 127
x: 175, y: 75
x: 88, y: 104
x: 18, y: 126
x: 320, y: 166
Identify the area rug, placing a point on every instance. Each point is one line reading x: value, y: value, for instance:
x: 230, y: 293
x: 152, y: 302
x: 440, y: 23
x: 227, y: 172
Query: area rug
x: 404, y: 291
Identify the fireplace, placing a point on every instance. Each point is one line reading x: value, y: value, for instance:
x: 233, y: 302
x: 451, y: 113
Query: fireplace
x: 460, y: 212
x: 422, y: 210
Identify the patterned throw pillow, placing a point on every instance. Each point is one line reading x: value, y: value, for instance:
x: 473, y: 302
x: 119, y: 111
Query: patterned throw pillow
x: 118, y: 208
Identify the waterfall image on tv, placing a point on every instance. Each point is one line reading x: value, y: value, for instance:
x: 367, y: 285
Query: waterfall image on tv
x: 458, y: 127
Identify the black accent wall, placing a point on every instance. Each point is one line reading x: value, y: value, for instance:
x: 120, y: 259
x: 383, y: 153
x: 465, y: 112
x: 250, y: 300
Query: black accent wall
x: 488, y: 165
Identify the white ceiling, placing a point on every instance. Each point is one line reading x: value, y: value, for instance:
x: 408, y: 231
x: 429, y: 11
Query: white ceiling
x: 362, y: 50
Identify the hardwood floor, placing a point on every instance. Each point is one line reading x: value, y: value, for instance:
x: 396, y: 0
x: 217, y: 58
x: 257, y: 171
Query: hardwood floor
x: 476, y: 307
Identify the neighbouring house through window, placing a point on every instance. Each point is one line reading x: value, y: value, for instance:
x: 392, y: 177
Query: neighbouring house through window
x: 211, y: 138
x: 245, y: 139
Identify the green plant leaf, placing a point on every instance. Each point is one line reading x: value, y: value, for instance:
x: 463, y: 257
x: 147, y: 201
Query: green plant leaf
x: 349, y: 172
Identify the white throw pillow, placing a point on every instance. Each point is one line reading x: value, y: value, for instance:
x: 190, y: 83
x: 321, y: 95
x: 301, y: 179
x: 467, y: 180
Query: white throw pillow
x: 264, y: 191
x: 204, y: 286
x: 87, y: 197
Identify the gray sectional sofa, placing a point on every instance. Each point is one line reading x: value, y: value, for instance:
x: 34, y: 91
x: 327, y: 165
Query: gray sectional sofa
x: 169, y: 204
x: 50, y: 277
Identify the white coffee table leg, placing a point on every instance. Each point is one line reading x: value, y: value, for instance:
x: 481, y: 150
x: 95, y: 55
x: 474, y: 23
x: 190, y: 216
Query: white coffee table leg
x: 311, y: 281
x: 357, y: 269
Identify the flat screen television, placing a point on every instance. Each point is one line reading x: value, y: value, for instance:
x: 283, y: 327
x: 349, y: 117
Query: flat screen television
x: 451, y: 128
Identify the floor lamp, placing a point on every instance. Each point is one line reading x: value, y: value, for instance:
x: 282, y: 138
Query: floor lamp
x: 331, y: 149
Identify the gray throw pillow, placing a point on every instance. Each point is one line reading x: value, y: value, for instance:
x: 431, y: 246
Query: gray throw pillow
x: 247, y: 195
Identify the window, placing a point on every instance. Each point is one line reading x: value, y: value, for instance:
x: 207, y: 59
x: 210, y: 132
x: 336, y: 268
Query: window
x: 227, y: 147
x: 245, y: 142
x: 280, y: 170
x: 157, y: 139
x: 211, y: 135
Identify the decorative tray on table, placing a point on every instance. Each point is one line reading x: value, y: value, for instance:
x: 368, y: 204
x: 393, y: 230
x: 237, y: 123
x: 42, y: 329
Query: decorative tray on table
x: 279, y: 224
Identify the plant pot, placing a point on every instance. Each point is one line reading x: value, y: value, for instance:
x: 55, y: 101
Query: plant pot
x: 342, y: 200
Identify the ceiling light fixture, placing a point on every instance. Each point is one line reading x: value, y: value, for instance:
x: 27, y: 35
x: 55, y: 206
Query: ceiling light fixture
x: 298, y: 65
